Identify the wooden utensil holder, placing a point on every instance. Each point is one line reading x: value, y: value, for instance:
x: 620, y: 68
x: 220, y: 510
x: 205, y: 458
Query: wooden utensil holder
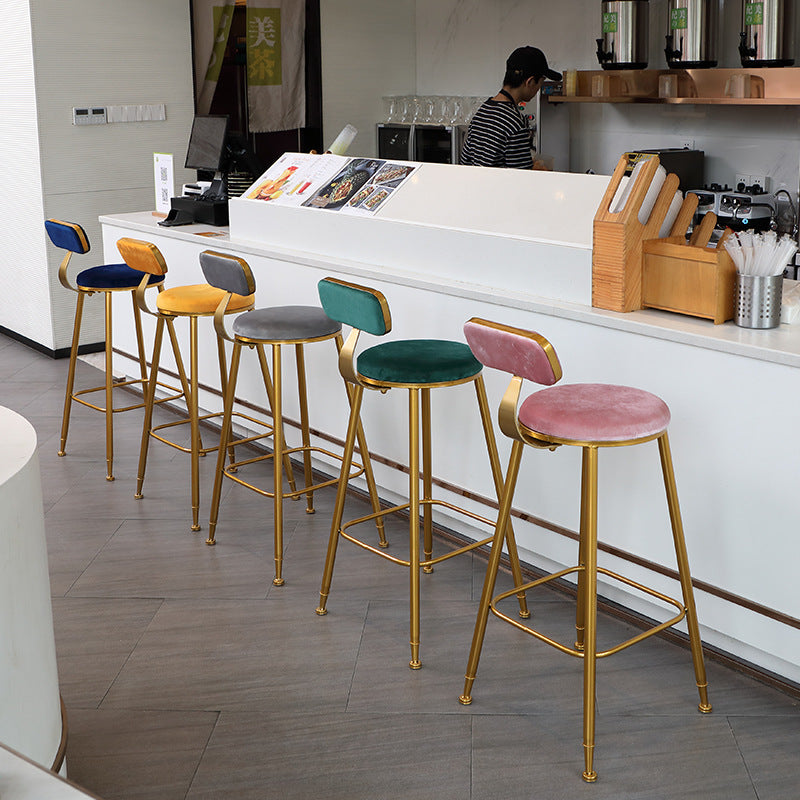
x: 698, y: 281
x: 618, y: 236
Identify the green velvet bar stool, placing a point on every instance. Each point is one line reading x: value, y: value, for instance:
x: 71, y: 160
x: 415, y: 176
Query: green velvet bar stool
x: 179, y: 302
x: 275, y: 327
x: 417, y: 366
x: 106, y: 280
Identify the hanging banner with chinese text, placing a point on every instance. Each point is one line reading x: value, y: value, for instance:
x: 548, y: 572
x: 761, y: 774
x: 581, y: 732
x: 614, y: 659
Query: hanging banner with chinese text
x: 212, y: 25
x: 276, y: 71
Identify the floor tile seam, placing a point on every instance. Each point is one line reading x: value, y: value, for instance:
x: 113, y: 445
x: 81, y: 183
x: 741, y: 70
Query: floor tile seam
x: 202, y: 755
x: 742, y: 756
x: 358, y: 655
x: 130, y: 652
x: 93, y: 558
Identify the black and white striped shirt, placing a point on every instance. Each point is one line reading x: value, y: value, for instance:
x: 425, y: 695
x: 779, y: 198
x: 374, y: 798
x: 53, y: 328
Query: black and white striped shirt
x: 498, y: 136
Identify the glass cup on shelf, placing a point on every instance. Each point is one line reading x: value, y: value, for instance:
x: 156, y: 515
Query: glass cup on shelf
x: 456, y: 108
x: 390, y: 109
x: 405, y: 110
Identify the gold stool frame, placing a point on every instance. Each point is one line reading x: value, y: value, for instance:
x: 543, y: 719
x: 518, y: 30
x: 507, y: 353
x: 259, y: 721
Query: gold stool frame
x: 274, y: 390
x: 417, y: 394
x: 585, y: 645
x: 110, y: 384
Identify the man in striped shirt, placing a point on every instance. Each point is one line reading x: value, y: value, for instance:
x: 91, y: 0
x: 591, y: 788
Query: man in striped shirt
x: 498, y: 134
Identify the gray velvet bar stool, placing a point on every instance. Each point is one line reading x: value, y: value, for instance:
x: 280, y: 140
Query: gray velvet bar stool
x: 591, y: 416
x: 276, y: 327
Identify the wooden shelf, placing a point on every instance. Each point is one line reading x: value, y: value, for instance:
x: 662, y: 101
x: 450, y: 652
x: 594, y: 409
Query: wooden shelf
x: 781, y: 87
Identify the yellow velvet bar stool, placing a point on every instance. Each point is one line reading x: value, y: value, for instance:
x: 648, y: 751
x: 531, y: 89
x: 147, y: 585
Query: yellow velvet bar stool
x: 106, y: 280
x: 275, y: 327
x: 592, y: 417
x: 190, y: 302
x: 417, y: 366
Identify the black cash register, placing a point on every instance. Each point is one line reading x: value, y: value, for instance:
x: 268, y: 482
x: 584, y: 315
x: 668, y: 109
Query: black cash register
x: 207, y: 150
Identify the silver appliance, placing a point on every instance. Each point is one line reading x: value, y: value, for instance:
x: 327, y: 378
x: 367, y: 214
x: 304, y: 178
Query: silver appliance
x: 693, y: 32
x: 625, y: 32
x: 767, y: 38
x: 739, y: 210
x: 411, y: 142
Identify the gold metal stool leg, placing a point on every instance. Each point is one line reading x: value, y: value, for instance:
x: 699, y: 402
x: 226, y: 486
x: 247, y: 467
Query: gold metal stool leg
x: 306, y: 436
x: 684, y: 573
x: 148, y: 406
x: 73, y: 357
x: 427, y: 479
x: 230, y: 390
x: 223, y: 378
x: 503, y: 516
x: 589, y: 534
x: 369, y: 475
x: 194, y: 422
x: 341, y: 492
x: 580, y: 616
x: 277, y: 439
x: 497, y: 475
x: 270, y: 389
x: 109, y: 392
x: 413, y: 528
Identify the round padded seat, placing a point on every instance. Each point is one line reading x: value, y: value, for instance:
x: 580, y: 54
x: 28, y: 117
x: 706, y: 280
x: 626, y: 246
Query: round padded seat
x: 198, y: 298
x: 113, y: 276
x: 594, y: 412
x: 286, y: 324
x: 418, y: 361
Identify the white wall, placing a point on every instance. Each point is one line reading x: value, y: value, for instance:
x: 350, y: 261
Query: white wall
x: 26, y: 293
x: 368, y: 51
x: 461, y: 47
x: 86, y: 52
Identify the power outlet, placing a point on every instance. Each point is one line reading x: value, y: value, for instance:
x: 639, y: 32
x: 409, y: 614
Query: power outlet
x: 741, y: 180
x: 760, y: 181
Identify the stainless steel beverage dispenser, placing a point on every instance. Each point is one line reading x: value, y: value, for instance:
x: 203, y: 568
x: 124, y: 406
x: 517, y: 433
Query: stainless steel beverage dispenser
x: 624, y: 41
x: 693, y: 31
x: 767, y: 33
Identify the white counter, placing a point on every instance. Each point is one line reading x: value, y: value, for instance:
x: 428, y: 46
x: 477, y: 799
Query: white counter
x: 731, y: 392
x: 30, y: 706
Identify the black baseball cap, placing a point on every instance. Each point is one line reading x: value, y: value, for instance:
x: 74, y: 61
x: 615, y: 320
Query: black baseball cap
x: 531, y: 61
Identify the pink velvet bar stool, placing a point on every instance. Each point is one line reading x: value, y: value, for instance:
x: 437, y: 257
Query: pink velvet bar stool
x: 590, y: 416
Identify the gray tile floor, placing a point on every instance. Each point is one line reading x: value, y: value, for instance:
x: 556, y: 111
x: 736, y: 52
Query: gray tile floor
x: 186, y: 674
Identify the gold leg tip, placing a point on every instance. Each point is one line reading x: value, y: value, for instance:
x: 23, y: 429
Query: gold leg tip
x: 296, y: 498
x: 579, y: 646
x: 465, y: 699
x: 231, y: 470
x: 195, y: 527
x: 109, y: 478
x: 138, y: 496
x: 525, y: 614
x: 321, y: 612
x: 311, y: 511
x: 704, y: 708
x: 384, y: 545
x: 415, y: 664
x: 278, y: 581
x: 62, y: 453
x: 211, y: 542
x: 427, y: 570
x: 590, y: 777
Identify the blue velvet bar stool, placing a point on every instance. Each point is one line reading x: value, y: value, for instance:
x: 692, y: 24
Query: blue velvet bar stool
x: 275, y: 327
x: 592, y: 417
x: 178, y: 302
x: 417, y: 366
x: 106, y: 280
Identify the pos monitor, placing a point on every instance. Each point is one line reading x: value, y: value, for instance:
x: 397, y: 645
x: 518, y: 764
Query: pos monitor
x: 207, y: 150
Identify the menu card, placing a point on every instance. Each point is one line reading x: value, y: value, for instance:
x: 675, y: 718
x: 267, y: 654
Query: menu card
x: 335, y: 183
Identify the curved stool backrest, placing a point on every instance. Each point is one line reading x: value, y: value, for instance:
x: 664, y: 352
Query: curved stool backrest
x: 142, y: 256
x: 358, y: 306
x: 67, y: 235
x: 227, y: 272
x: 524, y: 353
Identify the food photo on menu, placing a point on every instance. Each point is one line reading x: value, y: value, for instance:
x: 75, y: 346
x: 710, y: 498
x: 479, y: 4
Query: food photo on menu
x: 347, y: 182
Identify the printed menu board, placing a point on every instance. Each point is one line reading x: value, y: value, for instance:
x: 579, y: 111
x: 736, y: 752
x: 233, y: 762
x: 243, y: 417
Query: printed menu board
x: 334, y: 183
